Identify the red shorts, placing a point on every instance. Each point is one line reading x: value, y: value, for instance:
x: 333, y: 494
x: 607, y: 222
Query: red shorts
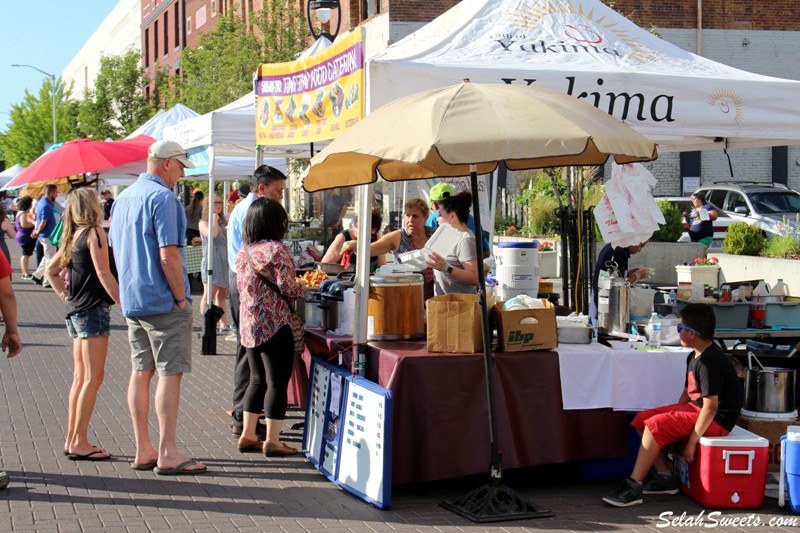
x: 671, y: 423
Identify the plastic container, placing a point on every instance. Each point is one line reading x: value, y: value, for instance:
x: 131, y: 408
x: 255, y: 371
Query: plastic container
x: 654, y: 330
x: 443, y: 240
x: 780, y: 291
x: 785, y: 313
x: 728, y: 472
x: 757, y: 312
x: 733, y: 315
x: 762, y: 289
x: 516, y: 254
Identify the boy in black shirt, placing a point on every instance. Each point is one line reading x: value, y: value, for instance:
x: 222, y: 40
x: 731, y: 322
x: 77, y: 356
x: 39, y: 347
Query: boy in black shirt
x: 709, y: 406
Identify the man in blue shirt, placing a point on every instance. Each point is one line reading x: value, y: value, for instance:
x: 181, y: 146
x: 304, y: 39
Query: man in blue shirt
x: 267, y: 182
x: 437, y: 193
x: 45, y: 224
x: 148, y: 225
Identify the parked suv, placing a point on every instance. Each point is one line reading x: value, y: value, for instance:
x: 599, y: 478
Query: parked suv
x: 774, y: 209
x: 684, y: 205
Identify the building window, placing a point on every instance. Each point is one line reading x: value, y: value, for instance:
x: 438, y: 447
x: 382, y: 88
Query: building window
x: 200, y: 17
x: 155, y: 42
x: 370, y: 8
x: 166, y: 33
x: 213, y: 8
x: 188, y: 25
x: 146, y: 48
x: 177, y: 29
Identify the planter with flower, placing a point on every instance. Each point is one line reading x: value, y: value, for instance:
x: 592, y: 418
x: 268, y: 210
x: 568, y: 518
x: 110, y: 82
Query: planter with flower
x: 548, y: 260
x: 702, y: 270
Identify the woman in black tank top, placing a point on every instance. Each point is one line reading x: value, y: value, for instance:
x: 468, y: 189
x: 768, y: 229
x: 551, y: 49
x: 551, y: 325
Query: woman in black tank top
x: 83, y: 253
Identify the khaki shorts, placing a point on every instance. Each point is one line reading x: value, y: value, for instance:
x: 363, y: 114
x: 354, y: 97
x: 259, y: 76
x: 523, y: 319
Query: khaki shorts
x: 162, y: 342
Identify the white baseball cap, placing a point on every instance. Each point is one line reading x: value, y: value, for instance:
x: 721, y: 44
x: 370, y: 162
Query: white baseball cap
x: 165, y: 149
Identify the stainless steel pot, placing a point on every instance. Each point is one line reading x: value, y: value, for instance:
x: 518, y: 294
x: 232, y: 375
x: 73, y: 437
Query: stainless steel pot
x: 613, y: 307
x: 332, y: 303
x: 315, y: 311
x: 768, y: 389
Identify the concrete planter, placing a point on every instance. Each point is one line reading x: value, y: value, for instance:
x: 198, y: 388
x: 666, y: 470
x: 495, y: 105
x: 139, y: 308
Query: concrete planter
x: 698, y: 274
x: 548, y: 264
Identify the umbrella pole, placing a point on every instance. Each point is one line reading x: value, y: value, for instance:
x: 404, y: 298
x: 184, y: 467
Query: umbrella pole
x: 493, y: 502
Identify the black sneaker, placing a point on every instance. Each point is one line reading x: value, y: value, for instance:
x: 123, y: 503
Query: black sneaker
x: 662, y: 485
x: 237, y: 424
x: 628, y: 493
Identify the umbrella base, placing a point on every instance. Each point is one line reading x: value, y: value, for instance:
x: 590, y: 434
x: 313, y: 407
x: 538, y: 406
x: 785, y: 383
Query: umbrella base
x: 494, y: 502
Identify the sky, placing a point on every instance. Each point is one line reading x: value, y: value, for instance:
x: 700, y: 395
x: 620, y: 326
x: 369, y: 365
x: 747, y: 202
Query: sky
x: 46, y: 34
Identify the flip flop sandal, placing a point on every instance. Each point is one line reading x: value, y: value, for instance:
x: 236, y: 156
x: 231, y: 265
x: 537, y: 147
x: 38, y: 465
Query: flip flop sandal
x: 91, y: 456
x: 180, y: 470
x: 146, y: 466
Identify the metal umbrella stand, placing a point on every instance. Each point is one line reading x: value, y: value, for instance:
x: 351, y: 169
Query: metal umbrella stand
x: 462, y: 130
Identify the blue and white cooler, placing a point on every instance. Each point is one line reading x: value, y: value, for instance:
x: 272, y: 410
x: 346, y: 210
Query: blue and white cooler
x: 517, y: 269
x: 790, y: 468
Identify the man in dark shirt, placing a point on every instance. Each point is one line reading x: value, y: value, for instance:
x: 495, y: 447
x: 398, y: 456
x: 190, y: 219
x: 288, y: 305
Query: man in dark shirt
x: 108, y: 201
x: 611, y: 258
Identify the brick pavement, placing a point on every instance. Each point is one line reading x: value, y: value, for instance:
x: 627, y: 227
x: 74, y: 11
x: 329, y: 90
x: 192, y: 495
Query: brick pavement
x: 240, y: 492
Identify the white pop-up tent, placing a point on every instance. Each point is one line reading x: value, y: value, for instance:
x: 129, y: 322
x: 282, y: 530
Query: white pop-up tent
x: 586, y: 49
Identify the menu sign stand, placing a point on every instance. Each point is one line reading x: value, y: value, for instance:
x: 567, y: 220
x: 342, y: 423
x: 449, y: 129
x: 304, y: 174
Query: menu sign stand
x: 348, y: 432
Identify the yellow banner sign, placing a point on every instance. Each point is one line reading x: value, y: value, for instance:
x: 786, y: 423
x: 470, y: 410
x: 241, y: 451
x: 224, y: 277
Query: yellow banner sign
x: 311, y: 99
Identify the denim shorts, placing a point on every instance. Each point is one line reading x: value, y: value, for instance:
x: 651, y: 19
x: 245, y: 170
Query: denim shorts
x: 94, y: 322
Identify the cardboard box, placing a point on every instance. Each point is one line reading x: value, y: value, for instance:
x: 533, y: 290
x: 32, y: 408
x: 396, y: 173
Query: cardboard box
x: 454, y: 323
x: 516, y: 335
x: 772, y: 430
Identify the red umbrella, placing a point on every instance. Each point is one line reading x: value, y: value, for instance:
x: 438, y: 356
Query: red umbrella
x: 82, y: 156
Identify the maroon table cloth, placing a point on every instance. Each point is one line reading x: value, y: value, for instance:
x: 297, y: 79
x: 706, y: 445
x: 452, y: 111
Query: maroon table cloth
x: 441, y: 425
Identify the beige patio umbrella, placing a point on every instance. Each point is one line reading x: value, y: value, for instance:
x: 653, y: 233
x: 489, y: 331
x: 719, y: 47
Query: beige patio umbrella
x: 442, y: 132
x: 467, y: 129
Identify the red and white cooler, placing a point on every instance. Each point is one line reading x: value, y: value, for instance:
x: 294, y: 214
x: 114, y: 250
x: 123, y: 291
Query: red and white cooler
x: 728, y: 472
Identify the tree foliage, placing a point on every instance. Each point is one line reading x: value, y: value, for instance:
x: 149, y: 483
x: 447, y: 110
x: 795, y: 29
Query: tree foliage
x: 221, y: 68
x: 115, y: 106
x: 31, y: 127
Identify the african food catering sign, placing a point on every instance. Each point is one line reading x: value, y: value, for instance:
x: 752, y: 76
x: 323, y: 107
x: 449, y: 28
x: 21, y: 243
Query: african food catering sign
x: 311, y: 99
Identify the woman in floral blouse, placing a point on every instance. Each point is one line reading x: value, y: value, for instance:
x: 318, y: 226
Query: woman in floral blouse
x: 264, y: 322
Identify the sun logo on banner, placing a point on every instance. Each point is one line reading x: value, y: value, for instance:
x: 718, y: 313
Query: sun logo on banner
x: 729, y: 104
x: 582, y: 27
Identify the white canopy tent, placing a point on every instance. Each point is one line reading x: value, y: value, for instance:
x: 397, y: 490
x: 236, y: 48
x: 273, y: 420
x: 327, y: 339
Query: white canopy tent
x: 584, y: 48
x: 10, y: 173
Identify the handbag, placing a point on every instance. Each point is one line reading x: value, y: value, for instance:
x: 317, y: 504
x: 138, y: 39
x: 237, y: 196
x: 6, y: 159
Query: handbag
x: 55, y: 235
x: 295, y: 322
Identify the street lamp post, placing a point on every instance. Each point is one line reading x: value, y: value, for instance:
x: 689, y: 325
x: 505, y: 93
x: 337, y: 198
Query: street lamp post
x: 53, y: 83
x: 322, y: 9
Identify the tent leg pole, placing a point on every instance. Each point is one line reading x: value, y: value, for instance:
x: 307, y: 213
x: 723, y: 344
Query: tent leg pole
x: 493, y: 502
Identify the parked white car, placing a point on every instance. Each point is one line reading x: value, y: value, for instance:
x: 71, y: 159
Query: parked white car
x: 775, y: 209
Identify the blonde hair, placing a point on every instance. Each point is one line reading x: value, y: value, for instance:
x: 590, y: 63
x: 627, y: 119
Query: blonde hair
x: 83, y: 210
x: 420, y: 205
x: 204, y: 214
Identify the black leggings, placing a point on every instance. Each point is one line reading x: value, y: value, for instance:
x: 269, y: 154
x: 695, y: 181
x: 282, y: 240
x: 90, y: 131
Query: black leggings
x: 270, y: 370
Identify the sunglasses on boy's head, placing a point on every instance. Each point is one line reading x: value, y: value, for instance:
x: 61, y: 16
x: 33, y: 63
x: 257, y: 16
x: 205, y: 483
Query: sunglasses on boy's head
x: 681, y: 327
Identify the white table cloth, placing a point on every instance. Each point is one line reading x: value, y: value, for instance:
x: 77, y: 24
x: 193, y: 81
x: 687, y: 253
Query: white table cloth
x: 594, y: 376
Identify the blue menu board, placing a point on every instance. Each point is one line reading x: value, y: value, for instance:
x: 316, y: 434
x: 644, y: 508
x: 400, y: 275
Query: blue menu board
x: 348, y: 432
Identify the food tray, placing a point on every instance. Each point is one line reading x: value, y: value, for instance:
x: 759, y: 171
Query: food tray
x: 575, y: 335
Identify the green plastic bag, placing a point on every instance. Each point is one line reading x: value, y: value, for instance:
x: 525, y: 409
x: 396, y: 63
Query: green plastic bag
x: 55, y: 236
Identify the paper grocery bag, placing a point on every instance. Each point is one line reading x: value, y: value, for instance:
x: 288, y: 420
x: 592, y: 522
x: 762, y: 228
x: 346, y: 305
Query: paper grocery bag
x: 454, y: 323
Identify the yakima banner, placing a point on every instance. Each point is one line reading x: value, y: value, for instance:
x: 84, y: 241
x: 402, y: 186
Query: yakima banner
x: 311, y: 99
x: 586, y: 49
